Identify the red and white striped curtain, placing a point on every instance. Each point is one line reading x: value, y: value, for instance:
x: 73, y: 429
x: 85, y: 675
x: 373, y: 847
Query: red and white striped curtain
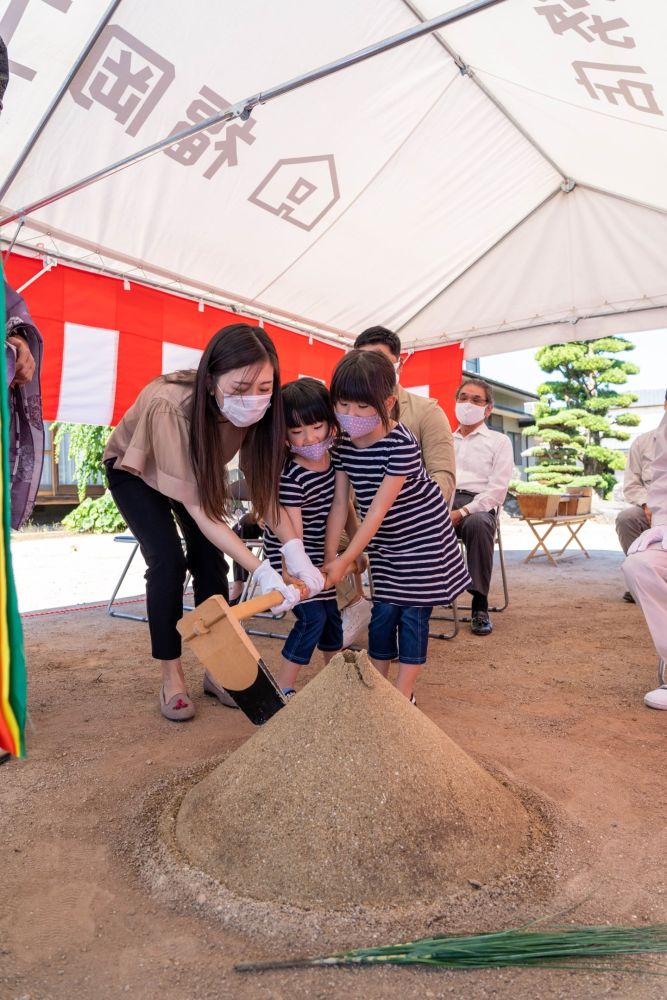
x: 103, y: 343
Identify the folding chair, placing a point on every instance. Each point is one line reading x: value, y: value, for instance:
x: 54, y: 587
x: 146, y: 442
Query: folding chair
x: 130, y: 539
x: 503, y: 573
x: 454, y: 617
x: 432, y: 635
x: 455, y: 607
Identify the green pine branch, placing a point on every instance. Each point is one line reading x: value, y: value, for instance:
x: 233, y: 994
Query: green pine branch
x: 569, y: 946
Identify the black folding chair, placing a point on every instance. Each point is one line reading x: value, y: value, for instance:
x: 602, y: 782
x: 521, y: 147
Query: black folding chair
x: 131, y: 540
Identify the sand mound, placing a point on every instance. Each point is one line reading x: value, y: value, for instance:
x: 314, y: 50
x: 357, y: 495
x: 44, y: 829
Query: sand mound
x: 350, y: 796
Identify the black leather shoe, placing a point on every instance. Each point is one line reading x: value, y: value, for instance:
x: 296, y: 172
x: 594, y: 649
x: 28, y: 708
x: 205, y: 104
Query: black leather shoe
x: 627, y: 596
x: 481, y: 623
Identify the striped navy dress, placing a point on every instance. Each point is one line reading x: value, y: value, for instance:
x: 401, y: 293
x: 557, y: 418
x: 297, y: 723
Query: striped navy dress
x: 313, y: 492
x: 415, y: 557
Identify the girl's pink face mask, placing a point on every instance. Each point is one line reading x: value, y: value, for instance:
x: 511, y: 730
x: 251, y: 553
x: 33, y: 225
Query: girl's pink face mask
x: 312, y: 451
x: 357, y: 427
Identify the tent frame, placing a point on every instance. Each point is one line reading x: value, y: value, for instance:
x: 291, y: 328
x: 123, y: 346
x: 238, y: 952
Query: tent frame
x: 242, y: 109
x: 48, y: 114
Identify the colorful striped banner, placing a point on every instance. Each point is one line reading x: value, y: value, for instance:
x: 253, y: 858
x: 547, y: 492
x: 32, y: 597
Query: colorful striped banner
x: 13, y: 686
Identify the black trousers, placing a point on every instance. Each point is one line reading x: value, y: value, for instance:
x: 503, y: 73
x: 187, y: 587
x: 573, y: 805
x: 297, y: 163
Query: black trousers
x: 478, y: 532
x: 152, y: 519
x: 247, y: 528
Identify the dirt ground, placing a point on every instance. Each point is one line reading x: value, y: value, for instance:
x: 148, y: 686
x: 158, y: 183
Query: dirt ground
x: 552, y: 701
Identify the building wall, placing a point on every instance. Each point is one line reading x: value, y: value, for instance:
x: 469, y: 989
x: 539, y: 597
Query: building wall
x: 58, y: 484
x: 510, y: 416
x: 511, y: 427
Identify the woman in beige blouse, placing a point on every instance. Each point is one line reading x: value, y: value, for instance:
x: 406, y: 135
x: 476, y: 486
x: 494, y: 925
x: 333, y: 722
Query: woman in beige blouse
x: 167, y: 463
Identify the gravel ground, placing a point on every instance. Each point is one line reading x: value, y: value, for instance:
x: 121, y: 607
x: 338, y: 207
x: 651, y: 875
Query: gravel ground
x: 97, y: 904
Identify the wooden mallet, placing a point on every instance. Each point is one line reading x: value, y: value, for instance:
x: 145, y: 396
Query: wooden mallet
x: 215, y: 634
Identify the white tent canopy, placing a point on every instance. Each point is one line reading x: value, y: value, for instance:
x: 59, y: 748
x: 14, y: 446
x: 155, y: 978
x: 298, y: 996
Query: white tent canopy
x: 502, y: 182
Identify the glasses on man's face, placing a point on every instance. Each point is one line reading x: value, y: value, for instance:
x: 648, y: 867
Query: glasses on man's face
x: 477, y: 400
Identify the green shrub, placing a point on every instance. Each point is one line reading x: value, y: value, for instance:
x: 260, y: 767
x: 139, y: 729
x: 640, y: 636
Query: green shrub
x: 98, y: 515
x: 518, y: 486
x: 86, y: 446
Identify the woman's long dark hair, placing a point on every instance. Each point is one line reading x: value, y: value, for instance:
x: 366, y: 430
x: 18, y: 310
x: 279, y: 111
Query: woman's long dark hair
x: 366, y: 377
x: 260, y: 457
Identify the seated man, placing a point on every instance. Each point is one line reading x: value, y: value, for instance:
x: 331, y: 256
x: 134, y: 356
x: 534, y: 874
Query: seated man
x: 645, y: 569
x: 638, y: 474
x: 429, y: 424
x: 484, y: 464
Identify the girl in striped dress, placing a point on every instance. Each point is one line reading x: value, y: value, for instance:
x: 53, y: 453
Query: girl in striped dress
x: 414, y: 555
x: 306, y: 494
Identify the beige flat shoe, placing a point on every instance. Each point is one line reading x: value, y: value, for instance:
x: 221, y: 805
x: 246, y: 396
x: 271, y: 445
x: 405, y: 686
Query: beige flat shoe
x: 216, y: 691
x: 177, y: 709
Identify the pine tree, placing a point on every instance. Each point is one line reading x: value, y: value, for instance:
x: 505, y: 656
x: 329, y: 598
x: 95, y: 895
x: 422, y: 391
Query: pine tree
x: 572, y: 416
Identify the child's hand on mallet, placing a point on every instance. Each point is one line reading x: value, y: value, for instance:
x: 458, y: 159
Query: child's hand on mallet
x: 335, y: 570
x: 361, y: 563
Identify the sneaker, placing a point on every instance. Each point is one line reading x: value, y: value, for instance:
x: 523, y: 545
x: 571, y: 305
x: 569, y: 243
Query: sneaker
x: 355, y: 618
x: 216, y: 691
x: 413, y: 700
x: 628, y: 598
x: 288, y: 693
x: 657, y: 698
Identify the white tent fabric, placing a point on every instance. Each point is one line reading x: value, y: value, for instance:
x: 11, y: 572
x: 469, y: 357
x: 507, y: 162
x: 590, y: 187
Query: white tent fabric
x: 501, y: 183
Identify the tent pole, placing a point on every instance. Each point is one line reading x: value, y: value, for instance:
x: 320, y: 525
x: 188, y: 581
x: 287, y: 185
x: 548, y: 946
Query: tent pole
x: 463, y: 336
x: 20, y: 226
x: 243, y: 109
x: 48, y: 114
x: 330, y: 336
x: 466, y: 71
x: 49, y: 263
x: 574, y: 320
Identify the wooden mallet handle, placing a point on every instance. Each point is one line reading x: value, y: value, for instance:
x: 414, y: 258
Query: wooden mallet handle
x: 263, y: 602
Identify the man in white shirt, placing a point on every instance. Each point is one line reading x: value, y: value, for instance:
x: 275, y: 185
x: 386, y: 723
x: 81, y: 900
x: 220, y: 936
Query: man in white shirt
x: 637, y: 478
x: 645, y: 569
x: 484, y: 465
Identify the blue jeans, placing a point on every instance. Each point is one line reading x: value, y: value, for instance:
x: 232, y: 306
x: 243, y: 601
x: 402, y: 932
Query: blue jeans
x: 318, y: 623
x: 399, y: 633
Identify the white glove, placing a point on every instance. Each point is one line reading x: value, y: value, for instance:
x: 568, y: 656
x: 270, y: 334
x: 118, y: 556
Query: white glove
x: 267, y: 579
x: 650, y: 537
x: 299, y: 564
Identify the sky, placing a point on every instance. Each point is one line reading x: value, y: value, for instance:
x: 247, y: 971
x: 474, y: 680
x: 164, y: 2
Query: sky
x: 519, y: 368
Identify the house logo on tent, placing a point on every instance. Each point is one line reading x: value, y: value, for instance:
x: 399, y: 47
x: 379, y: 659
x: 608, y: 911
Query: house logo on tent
x: 300, y: 190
